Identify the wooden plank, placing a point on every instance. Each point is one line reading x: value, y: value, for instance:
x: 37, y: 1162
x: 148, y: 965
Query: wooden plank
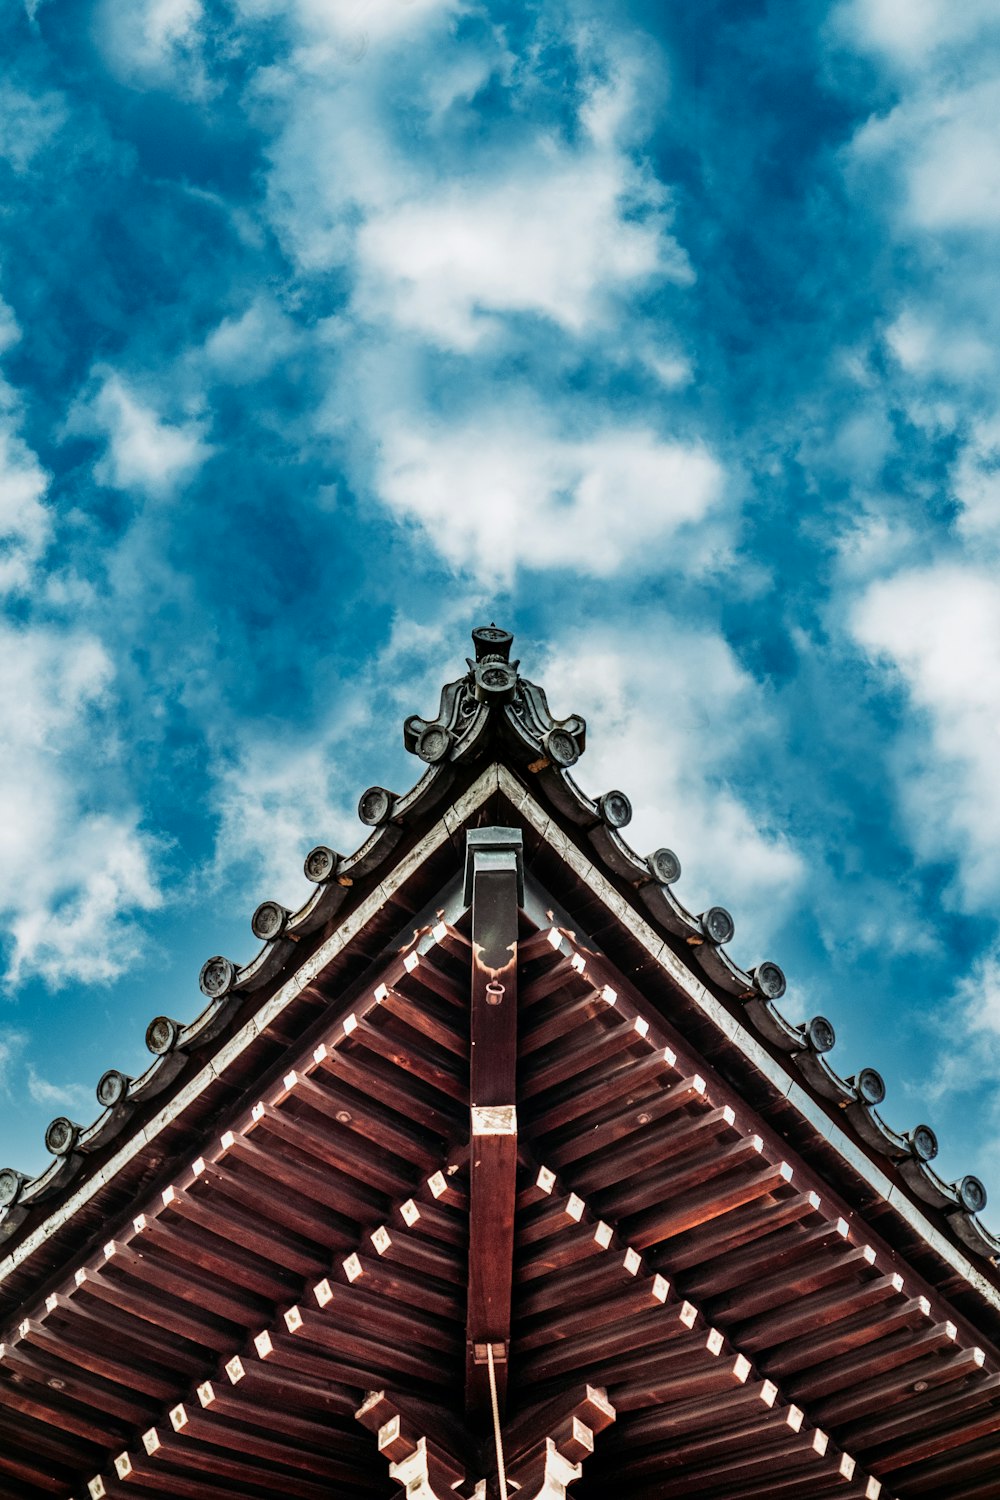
x: 190, y: 1452
x: 647, y: 1147
x: 608, y: 1037
x: 101, y: 1323
x: 352, y: 1306
x: 947, y: 1474
x: 708, y: 1413
x: 340, y: 1195
x: 295, y: 1212
x: 838, y: 1377
x: 371, y: 1075
x: 381, y: 1278
x: 764, y: 1294
x: 803, y: 1318
x: 935, y: 1410
x: 578, y: 1285
x: 493, y: 880
x: 577, y: 1241
x: 354, y: 1165
x: 267, y: 1386
x: 868, y: 1326
x: 936, y: 1437
x: 199, y: 1428
x: 582, y: 1354
x: 145, y: 1267
x: 440, y: 1261
x: 883, y: 1393
x: 323, y: 1093
x: 598, y: 1102
x: 347, y: 1362
x: 357, y: 1338
x: 428, y: 1017
x: 105, y: 1398
x: 581, y: 1315
x: 707, y: 1203
x: 313, y: 1428
x: 187, y: 1245
x: 147, y: 1378
x: 745, y: 1224
x: 409, y: 1053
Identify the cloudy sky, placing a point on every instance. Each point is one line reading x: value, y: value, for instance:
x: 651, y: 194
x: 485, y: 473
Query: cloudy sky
x: 667, y: 335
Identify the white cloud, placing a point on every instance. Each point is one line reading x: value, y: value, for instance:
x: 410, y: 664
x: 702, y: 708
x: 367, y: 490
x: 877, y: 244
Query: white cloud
x: 927, y: 342
x: 351, y: 25
x: 28, y: 121
x: 939, y: 627
x: 954, y: 177
x: 971, y: 1018
x: 564, y: 229
x: 977, y: 482
x: 153, y: 41
x: 552, y: 237
x: 70, y: 874
x: 493, y: 497
x: 277, y: 795
x: 565, y: 224
x: 966, y: 1068
x: 10, y: 331
x: 943, y: 149
x: 245, y: 348
x: 669, y: 710
x: 656, y: 732
x: 12, y: 1044
x: 69, y: 1096
x: 274, y: 801
x: 144, y: 453
x: 25, y: 522
x: 911, y: 32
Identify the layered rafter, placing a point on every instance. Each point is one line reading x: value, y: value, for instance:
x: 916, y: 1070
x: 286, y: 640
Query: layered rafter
x: 484, y: 1199
x: 668, y: 1266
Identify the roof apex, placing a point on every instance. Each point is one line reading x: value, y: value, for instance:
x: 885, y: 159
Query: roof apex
x: 494, y: 702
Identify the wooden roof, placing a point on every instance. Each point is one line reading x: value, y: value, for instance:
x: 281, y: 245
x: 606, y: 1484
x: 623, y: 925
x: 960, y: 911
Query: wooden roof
x: 492, y: 1108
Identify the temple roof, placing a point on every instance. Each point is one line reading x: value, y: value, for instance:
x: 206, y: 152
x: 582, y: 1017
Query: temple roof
x: 494, y: 714
x: 700, y: 1258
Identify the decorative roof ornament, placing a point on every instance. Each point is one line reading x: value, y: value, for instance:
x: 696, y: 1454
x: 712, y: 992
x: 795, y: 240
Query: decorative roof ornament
x: 494, y: 697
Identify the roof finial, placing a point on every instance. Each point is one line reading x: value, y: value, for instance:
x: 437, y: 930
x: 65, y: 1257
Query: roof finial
x: 491, y: 641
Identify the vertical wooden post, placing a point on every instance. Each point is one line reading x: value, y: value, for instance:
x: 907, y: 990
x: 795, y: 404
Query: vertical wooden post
x: 494, y: 887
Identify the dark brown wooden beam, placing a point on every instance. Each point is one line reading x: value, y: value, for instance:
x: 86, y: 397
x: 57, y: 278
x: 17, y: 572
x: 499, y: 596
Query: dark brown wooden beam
x: 494, y: 888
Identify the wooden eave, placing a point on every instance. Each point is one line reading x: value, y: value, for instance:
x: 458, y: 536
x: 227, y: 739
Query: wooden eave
x: 736, y: 1296
x: 677, y: 1279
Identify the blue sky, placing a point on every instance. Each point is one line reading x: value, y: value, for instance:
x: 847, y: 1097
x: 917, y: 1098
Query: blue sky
x: 666, y: 335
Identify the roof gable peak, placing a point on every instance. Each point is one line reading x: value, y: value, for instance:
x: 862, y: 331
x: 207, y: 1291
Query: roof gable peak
x: 493, y: 704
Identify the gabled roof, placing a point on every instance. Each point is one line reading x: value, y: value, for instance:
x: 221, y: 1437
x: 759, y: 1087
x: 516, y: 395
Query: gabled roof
x: 493, y: 714
x: 710, y: 1223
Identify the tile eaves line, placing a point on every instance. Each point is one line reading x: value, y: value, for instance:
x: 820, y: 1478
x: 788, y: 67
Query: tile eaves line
x: 485, y: 785
x: 497, y: 777
x: 730, y: 1025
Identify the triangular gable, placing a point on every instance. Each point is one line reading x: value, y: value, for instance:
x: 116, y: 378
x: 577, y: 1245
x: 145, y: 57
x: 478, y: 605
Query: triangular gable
x: 649, y: 1267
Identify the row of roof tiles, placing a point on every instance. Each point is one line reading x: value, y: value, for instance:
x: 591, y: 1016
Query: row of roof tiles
x: 493, y: 708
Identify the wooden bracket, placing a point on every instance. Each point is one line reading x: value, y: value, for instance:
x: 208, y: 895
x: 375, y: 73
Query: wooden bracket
x: 545, y: 1448
x: 416, y: 1444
